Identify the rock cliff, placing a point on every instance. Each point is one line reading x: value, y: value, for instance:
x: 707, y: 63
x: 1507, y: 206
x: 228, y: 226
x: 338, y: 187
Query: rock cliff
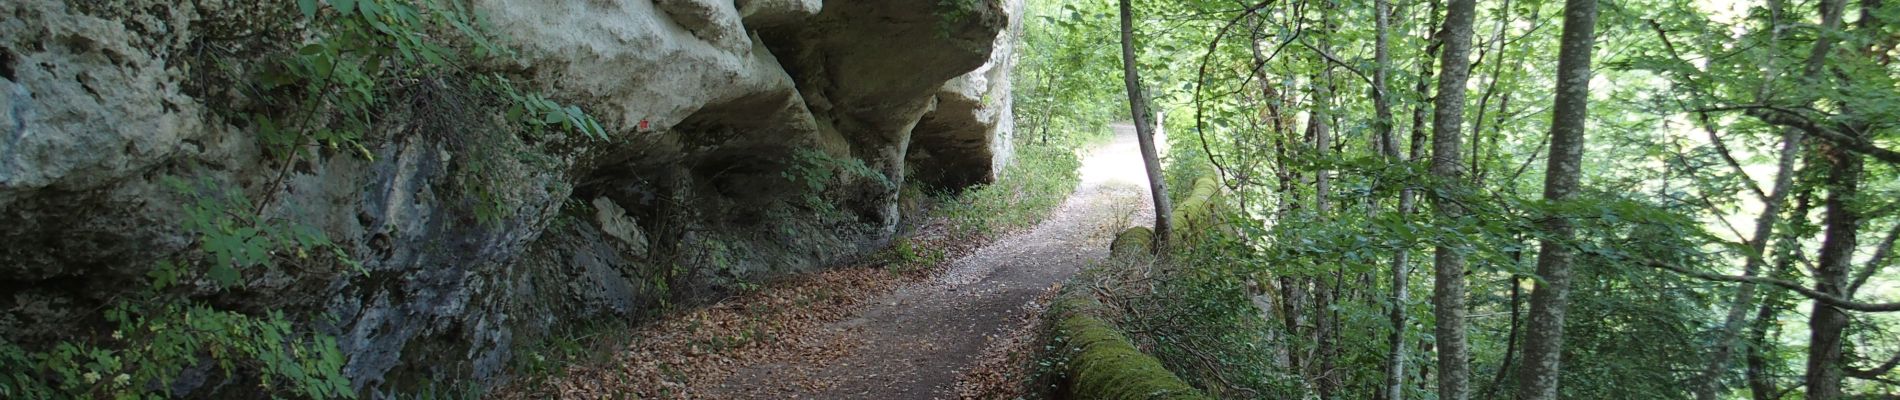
x: 746, y: 139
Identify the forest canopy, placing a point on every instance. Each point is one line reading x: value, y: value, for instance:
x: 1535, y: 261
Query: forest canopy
x: 1509, y: 198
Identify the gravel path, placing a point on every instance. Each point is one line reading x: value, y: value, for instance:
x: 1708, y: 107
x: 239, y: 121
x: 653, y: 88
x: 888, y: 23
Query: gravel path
x: 918, y: 340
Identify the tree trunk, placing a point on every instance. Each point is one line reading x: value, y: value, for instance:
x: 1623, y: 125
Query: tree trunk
x: 1394, y: 388
x: 1826, y: 324
x: 1760, y: 384
x: 1448, y: 284
x: 1049, y: 111
x: 1510, y: 338
x: 1326, y: 292
x: 1550, y: 298
x: 1710, y: 384
x: 1320, y: 130
x: 1144, y: 131
x: 1490, y: 89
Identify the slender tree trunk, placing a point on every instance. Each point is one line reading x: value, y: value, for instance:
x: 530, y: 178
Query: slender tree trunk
x: 1827, y: 325
x: 1544, y: 342
x: 1144, y: 130
x: 1710, y: 384
x: 1422, y: 87
x: 1448, y: 284
x: 1326, y: 292
x: 1498, y: 37
x: 1760, y: 385
x: 1510, y: 338
x: 1295, y: 289
x: 1049, y: 111
x: 1320, y: 129
x: 1394, y: 388
x: 1401, y: 296
x: 1294, y: 307
x: 1269, y: 99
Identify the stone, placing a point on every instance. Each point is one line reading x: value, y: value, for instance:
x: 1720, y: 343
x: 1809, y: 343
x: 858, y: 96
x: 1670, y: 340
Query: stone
x: 614, y: 221
x: 474, y: 239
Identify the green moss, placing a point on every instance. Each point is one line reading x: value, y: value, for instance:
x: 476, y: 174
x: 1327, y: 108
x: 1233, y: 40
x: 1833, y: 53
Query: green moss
x: 1101, y: 362
x: 1133, y: 241
x: 1197, y: 209
x: 1104, y: 365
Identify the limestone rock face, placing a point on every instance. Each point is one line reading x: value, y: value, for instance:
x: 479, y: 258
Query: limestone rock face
x: 739, y: 136
x: 967, y: 139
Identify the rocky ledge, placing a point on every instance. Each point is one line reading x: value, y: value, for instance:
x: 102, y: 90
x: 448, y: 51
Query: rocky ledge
x: 745, y: 139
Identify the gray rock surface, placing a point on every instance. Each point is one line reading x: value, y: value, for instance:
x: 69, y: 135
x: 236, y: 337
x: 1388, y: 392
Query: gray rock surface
x: 711, y: 107
x: 967, y: 139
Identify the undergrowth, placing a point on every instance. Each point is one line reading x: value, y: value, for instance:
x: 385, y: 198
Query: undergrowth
x: 1197, y: 317
x: 1025, y: 193
x: 320, y: 95
x: 1192, y: 313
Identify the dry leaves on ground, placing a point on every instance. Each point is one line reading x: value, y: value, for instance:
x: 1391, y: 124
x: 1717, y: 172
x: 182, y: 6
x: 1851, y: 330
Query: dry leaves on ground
x: 689, y: 355
x: 1007, y: 364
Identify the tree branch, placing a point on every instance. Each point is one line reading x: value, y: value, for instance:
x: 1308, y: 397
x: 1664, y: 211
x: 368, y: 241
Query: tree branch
x: 1875, y: 372
x: 1784, y: 117
x: 1881, y: 255
x: 1342, y: 64
x: 1790, y: 118
x: 1200, y: 126
x: 1824, y: 298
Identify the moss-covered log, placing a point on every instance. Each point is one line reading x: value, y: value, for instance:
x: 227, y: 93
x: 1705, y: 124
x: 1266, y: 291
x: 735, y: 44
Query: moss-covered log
x: 1195, y: 216
x: 1102, y: 364
x: 1135, y: 241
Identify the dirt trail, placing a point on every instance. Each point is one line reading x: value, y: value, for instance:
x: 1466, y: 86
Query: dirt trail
x: 918, y: 340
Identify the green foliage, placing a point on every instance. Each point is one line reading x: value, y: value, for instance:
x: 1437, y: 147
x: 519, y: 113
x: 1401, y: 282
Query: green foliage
x: 540, y: 114
x: 333, y: 89
x: 152, y: 345
x: 540, y: 359
x: 162, y: 334
x: 1064, y: 93
x: 1039, y: 179
x: 235, y: 239
x: 1195, y: 312
x: 906, y: 255
x: 1133, y: 242
x: 325, y: 94
x: 365, y: 53
x: 950, y: 13
x: 817, y: 170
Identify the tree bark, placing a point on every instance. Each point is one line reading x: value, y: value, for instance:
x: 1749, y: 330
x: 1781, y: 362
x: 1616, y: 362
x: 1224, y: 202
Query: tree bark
x: 1448, y: 284
x: 1144, y: 131
x: 1827, y: 325
x: 1394, y: 388
x: 1550, y: 298
x: 1762, y: 385
x: 1325, y: 291
x: 1840, y: 224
